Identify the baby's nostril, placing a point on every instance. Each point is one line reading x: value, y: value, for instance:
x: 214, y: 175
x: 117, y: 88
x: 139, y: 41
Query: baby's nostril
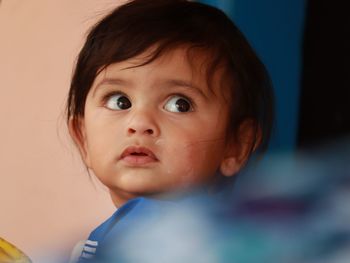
x: 149, y: 131
x: 131, y: 130
x: 143, y: 131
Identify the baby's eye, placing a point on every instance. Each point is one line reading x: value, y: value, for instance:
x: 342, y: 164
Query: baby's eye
x: 118, y: 102
x: 178, y: 104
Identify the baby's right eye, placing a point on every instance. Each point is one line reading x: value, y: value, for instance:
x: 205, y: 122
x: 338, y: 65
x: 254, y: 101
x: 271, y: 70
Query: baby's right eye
x: 118, y: 102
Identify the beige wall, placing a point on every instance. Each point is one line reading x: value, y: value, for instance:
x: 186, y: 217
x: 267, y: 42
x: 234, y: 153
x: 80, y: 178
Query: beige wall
x: 46, y: 198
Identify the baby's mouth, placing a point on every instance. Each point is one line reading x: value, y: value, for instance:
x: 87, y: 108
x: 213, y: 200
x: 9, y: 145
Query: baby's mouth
x: 139, y: 154
x: 136, y: 155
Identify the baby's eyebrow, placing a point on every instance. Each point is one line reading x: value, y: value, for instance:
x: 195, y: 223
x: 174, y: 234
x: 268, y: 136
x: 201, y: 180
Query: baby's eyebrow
x: 168, y: 83
x: 184, y: 83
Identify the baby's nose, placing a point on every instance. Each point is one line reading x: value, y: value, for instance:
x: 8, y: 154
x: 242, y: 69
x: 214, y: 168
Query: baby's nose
x: 143, y: 123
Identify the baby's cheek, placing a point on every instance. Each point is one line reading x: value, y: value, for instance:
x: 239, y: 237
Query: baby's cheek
x: 192, y: 160
x: 179, y: 162
x: 206, y: 155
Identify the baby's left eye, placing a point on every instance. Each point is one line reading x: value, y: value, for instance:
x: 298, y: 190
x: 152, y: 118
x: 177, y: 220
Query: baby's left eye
x: 178, y: 104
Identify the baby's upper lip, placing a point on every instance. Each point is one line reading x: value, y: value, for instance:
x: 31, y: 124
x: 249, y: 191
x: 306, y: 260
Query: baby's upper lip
x: 138, y: 150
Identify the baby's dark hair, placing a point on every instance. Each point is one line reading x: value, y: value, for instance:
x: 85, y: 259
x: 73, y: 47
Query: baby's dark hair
x: 164, y: 25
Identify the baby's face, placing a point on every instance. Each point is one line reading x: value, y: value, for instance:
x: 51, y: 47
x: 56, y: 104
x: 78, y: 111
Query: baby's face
x: 154, y: 128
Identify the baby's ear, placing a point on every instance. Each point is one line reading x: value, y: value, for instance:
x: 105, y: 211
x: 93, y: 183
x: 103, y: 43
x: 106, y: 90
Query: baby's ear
x: 239, y: 148
x: 77, y: 132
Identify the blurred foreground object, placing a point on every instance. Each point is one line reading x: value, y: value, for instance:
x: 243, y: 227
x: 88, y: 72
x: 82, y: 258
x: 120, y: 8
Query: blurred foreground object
x: 9, y: 253
x: 292, y: 208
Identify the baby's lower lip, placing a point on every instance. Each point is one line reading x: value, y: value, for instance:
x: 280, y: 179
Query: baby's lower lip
x: 138, y: 159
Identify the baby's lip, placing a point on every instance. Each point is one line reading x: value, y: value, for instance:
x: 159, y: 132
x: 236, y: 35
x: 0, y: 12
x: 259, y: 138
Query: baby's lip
x: 138, y: 151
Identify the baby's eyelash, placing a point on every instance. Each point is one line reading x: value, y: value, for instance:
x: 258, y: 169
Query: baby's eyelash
x: 189, y: 99
x: 110, y: 94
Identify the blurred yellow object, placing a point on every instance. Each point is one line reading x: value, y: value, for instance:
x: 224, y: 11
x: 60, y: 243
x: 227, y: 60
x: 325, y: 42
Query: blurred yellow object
x: 10, y: 254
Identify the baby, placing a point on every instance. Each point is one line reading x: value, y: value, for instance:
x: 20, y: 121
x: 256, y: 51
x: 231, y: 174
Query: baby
x: 167, y: 96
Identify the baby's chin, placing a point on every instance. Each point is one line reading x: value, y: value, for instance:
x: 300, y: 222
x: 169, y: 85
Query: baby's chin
x: 122, y: 195
x: 170, y: 192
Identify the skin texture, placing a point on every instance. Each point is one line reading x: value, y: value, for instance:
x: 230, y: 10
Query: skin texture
x: 149, y: 147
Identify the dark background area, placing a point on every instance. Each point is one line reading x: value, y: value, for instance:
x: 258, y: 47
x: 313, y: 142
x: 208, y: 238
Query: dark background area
x: 305, y: 47
x: 325, y: 88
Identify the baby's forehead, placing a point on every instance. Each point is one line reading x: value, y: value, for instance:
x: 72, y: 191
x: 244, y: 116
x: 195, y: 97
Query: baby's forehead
x: 194, y: 64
